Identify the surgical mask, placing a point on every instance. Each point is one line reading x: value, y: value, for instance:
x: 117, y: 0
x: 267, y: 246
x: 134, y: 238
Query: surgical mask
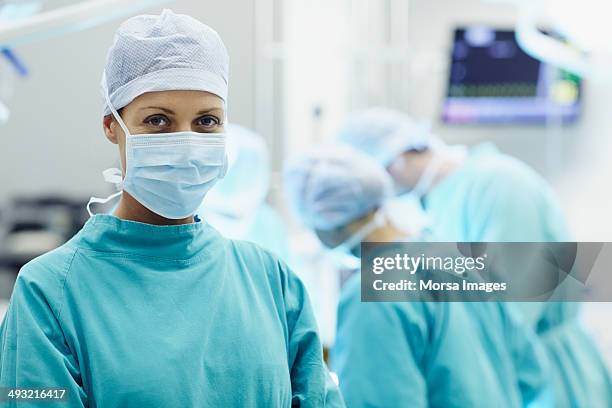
x: 170, y: 173
x: 347, y: 254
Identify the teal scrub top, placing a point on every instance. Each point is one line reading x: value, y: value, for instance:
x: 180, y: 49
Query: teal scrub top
x: 135, y: 315
x: 496, y: 198
x: 438, y: 355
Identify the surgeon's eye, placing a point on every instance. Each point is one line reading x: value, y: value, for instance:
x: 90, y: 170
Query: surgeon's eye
x: 157, y: 121
x: 208, y: 122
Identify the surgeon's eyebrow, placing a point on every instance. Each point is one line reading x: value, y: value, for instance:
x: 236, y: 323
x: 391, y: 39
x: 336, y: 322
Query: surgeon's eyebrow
x: 169, y: 111
x: 211, y: 110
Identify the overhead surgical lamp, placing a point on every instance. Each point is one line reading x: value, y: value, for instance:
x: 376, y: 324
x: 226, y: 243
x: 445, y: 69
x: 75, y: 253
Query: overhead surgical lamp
x: 585, y: 48
x: 68, y: 19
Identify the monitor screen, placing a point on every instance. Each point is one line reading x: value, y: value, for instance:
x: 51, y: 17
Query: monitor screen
x: 491, y: 80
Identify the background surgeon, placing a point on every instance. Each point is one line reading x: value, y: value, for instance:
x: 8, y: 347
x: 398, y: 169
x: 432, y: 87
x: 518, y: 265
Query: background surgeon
x: 409, y: 354
x: 484, y: 195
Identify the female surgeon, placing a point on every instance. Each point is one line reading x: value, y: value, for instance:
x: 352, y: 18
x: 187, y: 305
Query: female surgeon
x: 408, y: 354
x: 150, y: 306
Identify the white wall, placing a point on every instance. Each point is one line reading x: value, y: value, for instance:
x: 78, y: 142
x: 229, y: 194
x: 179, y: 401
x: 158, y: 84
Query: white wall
x: 54, y: 142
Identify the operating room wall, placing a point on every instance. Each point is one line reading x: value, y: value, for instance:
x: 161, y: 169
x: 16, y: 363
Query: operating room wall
x: 54, y: 142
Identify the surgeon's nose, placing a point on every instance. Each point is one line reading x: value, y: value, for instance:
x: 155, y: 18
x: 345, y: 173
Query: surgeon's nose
x: 186, y: 126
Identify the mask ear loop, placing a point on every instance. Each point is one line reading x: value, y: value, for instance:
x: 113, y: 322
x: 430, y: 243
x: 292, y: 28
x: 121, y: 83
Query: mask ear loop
x: 110, y: 175
x: 97, y: 200
x: 119, y: 120
x: 110, y: 106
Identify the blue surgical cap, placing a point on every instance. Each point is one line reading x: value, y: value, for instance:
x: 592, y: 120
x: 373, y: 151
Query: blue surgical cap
x: 335, y: 185
x: 169, y: 52
x: 384, y: 134
x: 247, y: 181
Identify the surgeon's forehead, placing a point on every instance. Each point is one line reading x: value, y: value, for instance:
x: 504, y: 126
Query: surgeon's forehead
x: 201, y: 99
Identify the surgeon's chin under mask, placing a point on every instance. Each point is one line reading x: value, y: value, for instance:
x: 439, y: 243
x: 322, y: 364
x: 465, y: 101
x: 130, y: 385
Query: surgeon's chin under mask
x: 170, y: 173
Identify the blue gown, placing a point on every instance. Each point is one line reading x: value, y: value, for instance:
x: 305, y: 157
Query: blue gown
x: 134, y: 315
x: 496, y: 198
x: 438, y: 355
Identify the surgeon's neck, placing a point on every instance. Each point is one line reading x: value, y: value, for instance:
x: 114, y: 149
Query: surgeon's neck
x: 130, y: 209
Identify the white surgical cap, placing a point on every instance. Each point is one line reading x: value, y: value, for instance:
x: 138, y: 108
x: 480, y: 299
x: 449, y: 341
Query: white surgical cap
x: 169, y: 52
x: 335, y: 185
x: 384, y: 134
x: 246, y: 184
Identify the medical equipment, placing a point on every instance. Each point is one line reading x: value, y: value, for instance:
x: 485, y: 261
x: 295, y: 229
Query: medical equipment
x: 493, y: 80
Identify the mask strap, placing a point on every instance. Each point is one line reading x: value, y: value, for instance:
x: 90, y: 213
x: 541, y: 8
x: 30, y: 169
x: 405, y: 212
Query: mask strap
x: 96, y: 200
x: 428, y: 176
x: 113, y: 176
x: 110, y: 105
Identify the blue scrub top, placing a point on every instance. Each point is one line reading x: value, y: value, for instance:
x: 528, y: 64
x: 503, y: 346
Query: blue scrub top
x: 439, y: 355
x: 131, y: 314
x: 493, y: 197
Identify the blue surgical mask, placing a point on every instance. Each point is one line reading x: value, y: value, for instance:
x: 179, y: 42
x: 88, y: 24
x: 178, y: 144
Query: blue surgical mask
x: 170, y: 173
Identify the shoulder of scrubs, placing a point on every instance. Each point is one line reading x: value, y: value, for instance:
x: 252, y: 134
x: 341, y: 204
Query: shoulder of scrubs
x: 508, y: 201
x: 311, y: 383
x: 380, y: 350
x: 34, y: 351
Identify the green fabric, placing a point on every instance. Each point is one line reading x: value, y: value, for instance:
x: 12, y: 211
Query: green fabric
x: 135, y: 315
x: 495, y: 198
x: 441, y: 355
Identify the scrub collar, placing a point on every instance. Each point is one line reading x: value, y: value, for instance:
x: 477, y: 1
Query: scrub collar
x: 107, y: 233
